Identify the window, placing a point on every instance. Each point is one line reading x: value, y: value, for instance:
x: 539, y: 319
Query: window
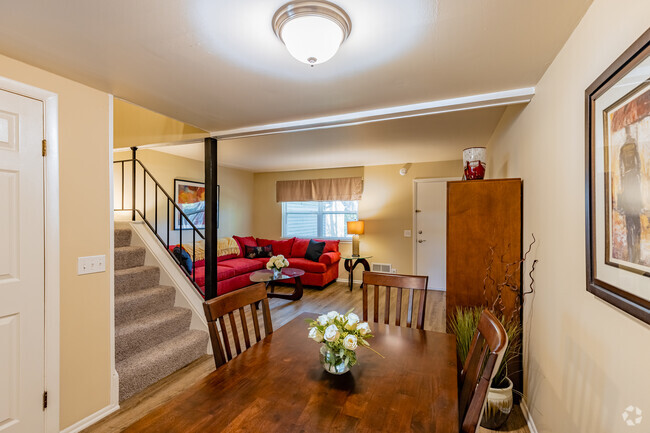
x: 318, y: 219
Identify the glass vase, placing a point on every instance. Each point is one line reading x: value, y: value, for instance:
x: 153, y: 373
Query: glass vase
x: 277, y: 273
x: 332, y: 363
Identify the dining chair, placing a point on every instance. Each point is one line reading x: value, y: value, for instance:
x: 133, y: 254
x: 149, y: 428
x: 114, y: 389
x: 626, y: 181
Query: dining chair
x: 485, y: 355
x: 217, y: 308
x: 410, y: 283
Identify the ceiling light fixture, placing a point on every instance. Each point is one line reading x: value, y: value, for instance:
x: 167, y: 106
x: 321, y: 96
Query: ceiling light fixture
x: 312, y: 31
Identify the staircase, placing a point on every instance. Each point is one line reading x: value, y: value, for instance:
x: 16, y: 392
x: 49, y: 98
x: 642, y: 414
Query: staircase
x: 152, y: 337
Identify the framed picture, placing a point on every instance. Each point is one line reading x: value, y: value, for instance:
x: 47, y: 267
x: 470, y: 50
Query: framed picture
x: 190, y: 197
x: 618, y: 182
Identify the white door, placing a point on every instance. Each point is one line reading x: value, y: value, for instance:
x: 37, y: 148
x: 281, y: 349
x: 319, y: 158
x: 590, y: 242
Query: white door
x: 22, y: 265
x: 431, y: 232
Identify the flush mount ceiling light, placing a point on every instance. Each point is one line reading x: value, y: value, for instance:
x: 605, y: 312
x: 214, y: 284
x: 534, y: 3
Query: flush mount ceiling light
x: 312, y: 31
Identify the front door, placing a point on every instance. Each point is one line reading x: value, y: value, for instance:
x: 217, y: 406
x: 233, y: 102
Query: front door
x: 22, y: 265
x: 431, y: 232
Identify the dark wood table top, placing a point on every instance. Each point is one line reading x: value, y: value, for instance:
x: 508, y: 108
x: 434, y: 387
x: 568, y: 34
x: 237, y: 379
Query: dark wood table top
x: 278, y: 385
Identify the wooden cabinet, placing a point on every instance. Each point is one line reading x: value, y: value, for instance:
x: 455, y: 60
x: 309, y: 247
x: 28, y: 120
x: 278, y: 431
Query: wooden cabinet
x: 482, y: 214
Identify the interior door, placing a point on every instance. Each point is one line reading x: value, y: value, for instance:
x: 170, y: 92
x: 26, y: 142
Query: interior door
x: 431, y: 232
x: 22, y: 265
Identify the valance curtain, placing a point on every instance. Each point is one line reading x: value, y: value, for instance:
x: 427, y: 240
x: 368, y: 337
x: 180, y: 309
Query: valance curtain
x: 340, y: 188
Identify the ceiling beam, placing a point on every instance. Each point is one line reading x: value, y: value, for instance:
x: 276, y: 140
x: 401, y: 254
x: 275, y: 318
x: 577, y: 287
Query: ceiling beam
x: 507, y: 97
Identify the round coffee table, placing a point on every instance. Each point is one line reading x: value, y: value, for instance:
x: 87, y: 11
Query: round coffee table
x: 267, y: 276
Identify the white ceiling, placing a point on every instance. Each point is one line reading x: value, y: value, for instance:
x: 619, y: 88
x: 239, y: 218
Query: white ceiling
x: 440, y: 137
x: 216, y: 64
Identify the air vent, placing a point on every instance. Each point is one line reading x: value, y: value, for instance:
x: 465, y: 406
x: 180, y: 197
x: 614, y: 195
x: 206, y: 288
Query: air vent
x: 382, y: 267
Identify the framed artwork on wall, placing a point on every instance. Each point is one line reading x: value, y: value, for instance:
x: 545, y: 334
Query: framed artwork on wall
x: 618, y: 182
x: 190, y: 197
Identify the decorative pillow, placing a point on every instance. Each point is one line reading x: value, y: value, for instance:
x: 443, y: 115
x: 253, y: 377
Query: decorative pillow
x: 258, y: 252
x: 226, y: 247
x: 183, y: 258
x: 242, y: 242
x: 314, y: 250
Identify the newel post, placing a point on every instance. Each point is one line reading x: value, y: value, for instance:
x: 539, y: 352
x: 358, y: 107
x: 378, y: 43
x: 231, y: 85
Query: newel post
x: 211, y: 217
x: 133, y: 152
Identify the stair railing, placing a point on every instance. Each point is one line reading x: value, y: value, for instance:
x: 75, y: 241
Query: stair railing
x: 183, y: 219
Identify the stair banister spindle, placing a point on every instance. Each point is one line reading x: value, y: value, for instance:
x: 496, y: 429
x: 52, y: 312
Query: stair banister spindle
x: 155, y: 200
x: 122, y: 184
x: 133, y: 152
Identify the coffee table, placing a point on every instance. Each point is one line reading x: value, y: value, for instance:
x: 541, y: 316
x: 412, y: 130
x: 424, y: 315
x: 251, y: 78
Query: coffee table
x: 267, y: 276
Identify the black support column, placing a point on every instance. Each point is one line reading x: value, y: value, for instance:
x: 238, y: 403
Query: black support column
x: 211, y: 218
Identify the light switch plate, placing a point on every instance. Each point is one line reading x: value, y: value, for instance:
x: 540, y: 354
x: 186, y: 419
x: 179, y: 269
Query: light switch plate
x: 407, y: 233
x: 91, y: 264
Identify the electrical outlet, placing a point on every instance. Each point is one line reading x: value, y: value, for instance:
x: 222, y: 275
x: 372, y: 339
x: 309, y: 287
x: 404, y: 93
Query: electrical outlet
x: 91, y: 264
x: 393, y: 271
x: 407, y: 233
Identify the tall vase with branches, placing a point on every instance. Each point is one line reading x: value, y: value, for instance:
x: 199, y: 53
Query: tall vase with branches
x: 465, y: 321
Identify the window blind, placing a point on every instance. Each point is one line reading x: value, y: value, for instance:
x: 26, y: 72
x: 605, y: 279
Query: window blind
x: 334, y: 189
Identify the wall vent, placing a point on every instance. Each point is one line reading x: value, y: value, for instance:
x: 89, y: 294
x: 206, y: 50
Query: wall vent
x: 382, y: 267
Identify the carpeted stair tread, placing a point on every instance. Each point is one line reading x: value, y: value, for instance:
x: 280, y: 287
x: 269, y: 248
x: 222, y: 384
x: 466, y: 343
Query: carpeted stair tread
x: 137, y: 278
x: 122, y: 236
x: 143, y: 333
x: 129, y: 257
x: 149, y: 366
x: 135, y: 305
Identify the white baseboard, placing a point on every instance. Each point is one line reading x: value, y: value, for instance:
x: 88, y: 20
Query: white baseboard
x: 527, y: 416
x: 91, y: 419
x: 346, y: 281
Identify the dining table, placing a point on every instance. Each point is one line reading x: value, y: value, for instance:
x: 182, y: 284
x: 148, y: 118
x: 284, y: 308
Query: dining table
x: 279, y: 385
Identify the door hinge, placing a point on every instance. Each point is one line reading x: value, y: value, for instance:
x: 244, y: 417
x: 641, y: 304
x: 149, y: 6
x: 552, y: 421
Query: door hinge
x: 44, y: 147
x: 417, y: 211
x: 44, y: 400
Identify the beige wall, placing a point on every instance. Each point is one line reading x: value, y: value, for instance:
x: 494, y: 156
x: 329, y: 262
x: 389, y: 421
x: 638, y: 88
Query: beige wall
x: 386, y: 207
x: 585, y: 361
x: 84, y: 231
x: 236, y: 195
x: 136, y: 126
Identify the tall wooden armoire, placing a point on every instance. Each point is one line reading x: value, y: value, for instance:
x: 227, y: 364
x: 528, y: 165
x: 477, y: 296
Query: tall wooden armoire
x: 484, y: 231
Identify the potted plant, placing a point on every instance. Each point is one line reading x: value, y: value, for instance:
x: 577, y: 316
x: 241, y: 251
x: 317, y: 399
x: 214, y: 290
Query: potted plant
x: 499, y: 400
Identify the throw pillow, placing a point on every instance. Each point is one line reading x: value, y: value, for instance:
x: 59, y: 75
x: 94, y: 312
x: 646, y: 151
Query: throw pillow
x: 314, y: 250
x: 183, y: 258
x: 258, y: 252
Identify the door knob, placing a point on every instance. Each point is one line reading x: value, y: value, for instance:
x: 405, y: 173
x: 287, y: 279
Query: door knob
x: 422, y: 240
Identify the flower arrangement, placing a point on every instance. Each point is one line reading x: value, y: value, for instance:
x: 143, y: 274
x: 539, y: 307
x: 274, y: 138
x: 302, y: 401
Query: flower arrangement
x: 340, y: 335
x: 276, y: 263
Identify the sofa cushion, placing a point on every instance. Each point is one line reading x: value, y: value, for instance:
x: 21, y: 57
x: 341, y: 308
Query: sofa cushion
x: 330, y: 258
x: 299, y: 248
x: 307, y: 265
x: 223, y: 258
x: 243, y: 241
x: 314, y: 250
x: 242, y: 266
x: 279, y: 247
x: 223, y: 272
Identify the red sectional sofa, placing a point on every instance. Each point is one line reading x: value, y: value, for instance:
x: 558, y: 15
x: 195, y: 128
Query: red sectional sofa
x: 233, y: 271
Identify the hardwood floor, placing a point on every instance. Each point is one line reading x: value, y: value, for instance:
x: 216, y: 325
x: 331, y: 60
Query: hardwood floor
x: 334, y: 297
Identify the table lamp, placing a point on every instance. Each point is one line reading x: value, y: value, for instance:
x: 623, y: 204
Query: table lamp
x: 355, y: 228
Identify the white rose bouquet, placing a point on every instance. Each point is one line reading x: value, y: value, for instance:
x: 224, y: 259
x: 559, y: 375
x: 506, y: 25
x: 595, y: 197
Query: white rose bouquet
x: 341, y: 335
x: 277, y: 263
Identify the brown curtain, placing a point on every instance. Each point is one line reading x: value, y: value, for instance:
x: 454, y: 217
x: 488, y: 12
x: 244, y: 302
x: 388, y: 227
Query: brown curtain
x: 340, y: 188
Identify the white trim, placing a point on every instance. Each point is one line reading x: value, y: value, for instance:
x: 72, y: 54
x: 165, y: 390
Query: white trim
x: 52, y: 270
x: 115, y: 381
x: 91, y: 419
x: 414, y: 233
x: 527, y: 416
x: 507, y: 97
x: 346, y: 281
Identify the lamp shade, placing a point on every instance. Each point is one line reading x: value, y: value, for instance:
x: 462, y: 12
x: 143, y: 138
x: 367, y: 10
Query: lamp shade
x: 356, y: 227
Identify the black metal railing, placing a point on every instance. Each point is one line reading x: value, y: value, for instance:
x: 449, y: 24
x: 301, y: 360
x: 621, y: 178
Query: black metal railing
x: 184, y: 222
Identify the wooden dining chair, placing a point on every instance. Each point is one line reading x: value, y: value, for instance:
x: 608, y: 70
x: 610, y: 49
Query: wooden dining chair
x: 485, y: 355
x: 217, y: 308
x: 410, y: 283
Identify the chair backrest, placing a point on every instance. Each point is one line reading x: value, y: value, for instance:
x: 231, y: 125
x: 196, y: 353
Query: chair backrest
x: 483, y: 359
x: 217, y: 308
x: 410, y: 283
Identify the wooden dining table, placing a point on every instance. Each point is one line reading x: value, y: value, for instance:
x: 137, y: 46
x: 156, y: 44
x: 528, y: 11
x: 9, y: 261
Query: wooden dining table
x: 279, y: 385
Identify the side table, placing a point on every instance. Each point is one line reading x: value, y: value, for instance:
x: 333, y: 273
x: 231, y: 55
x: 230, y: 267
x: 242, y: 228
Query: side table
x: 352, y: 262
